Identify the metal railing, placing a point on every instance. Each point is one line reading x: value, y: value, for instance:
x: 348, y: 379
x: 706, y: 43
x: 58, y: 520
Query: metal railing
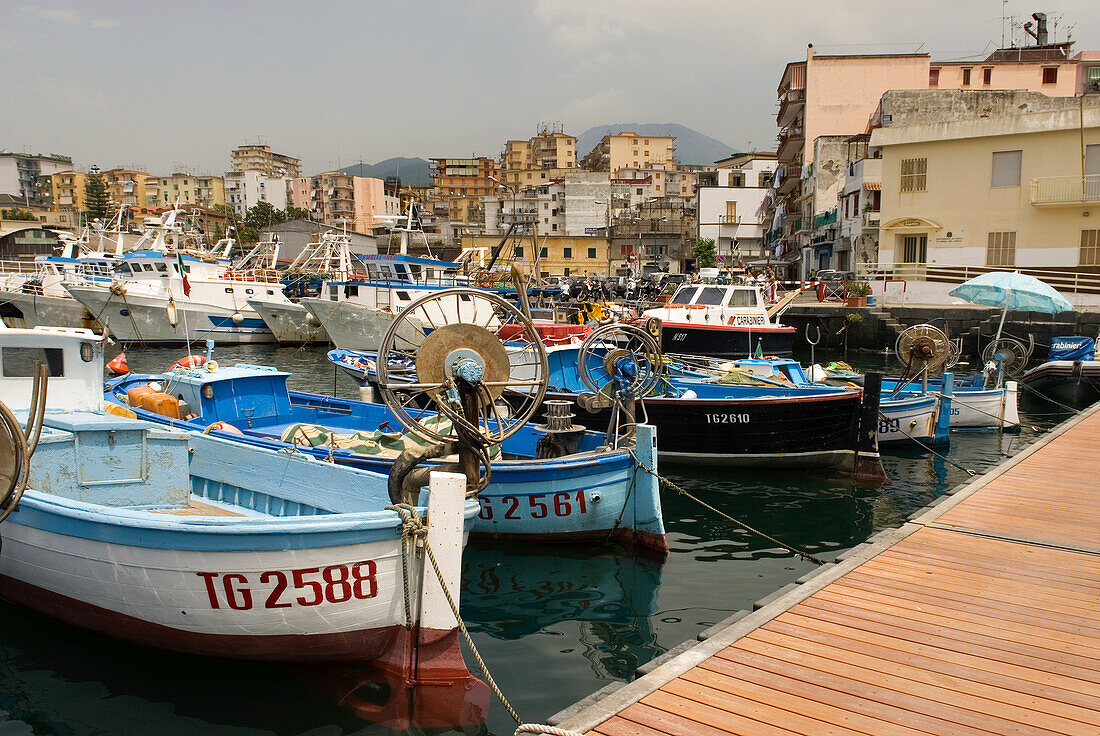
x: 1066, y: 282
x: 1055, y: 190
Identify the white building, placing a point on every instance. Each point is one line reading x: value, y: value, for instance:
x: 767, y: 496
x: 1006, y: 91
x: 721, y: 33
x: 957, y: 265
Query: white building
x: 729, y: 204
x: 245, y: 189
x: 576, y: 204
x: 20, y: 172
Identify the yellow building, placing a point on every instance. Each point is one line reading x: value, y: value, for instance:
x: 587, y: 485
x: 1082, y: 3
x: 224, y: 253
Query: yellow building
x: 1015, y: 185
x: 126, y: 187
x: 68, y: 191
x: 628, y: 150
x: 203, y: 190
x: 558, y: 255
x: 549, y: 155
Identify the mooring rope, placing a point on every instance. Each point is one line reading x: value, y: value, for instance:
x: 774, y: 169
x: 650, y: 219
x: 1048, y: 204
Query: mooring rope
x: 743, y: 525
x: 928, y: 448
x: 413, y: 528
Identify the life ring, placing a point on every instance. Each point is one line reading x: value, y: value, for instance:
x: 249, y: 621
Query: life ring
x: 221, y: 427
x: 189, y: 362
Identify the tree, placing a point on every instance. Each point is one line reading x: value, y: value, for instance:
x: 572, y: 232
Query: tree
x: 20, y: 214
x: 97, y: 201
x: 262, y: 215
x: 706, y: 256
x: 296, y: 213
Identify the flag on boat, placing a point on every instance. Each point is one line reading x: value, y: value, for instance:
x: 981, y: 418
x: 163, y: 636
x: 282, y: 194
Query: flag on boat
x: 183, y: 273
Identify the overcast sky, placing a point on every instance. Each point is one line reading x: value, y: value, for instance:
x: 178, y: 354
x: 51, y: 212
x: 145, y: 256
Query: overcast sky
x: 161, y: 85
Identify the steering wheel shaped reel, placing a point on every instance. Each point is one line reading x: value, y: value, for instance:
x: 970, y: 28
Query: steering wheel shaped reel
x: 620, y: 358
x: 453, y: 337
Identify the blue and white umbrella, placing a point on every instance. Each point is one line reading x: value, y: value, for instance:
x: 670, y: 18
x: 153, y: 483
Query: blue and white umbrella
x: 1012, y: 291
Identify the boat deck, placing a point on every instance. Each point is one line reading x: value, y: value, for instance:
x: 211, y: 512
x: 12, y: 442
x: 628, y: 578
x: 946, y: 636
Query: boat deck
x: 198, y: 508
x: 980, y: 616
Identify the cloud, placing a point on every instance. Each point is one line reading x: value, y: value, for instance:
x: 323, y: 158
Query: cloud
x: 66, y: 17
x: 54, y: 15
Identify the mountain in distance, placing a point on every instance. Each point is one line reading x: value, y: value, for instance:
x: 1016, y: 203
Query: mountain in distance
x: 692, y: 147
x: 412, y: 171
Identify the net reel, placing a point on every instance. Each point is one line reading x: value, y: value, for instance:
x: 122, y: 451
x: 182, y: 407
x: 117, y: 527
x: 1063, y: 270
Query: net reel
x: 483, y: 391
x: 618, y: 364
x: 925, y: 350
x: 1006, y: 356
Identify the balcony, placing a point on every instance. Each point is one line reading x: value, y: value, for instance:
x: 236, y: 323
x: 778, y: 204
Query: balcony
x: 790, y: 105
x: 871, y: 219
x: 729, y: 220
x: 790, y: 143
x: 1062, y: 191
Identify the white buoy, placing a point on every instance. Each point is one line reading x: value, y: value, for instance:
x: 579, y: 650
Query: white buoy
x: 173, y: 318
x: 237, y: 318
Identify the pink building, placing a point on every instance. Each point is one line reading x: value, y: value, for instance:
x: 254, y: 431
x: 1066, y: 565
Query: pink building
x: 358, y: 202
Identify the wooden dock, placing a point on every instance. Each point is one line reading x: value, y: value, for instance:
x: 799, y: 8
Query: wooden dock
x: 980, y: 616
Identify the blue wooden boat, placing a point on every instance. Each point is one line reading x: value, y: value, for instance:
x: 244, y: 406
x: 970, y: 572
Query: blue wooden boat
x: 195, y: 543
x: 544, y: 487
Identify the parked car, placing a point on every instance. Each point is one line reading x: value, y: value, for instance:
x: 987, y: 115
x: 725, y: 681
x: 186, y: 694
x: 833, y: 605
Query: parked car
x: 834, y: 282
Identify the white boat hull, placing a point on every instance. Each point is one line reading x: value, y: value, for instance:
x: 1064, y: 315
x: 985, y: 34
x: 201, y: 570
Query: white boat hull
x: 291, y: 324
x: 38, y: 310
x: 350, y: 326
x: 986, y: 408
x: 142, y: 318
x: 212, y: 603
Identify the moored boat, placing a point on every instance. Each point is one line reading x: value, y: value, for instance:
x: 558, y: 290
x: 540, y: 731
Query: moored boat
x: 194, y: 543
x: 1070, y: 375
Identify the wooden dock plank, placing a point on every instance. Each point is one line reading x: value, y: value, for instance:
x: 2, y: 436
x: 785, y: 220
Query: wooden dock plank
x: 982, y: 617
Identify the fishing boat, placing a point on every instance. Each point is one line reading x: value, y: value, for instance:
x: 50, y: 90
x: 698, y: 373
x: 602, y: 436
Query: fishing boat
x: 32, y: 295
x: 545, y: 486
x: 904, y: 418
x: 703, y: 421
x: 172, y: 289
x: 554, y: 482
x: 329, y: 259
x: 194, y: 543
x: 1070, y: 375
x: 722, y: 320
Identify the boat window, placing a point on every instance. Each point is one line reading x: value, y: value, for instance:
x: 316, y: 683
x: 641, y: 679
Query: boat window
x: 351, y: 290
x: 372, y: 271
x: 743, y: 298
x: 684, y: 297
x: 415, y: 270
x: 400, y: 270
x: 711, y: 296
x: 464, y: 297
x: 19, y: 362
x: 229, y: 290
x: 248, y: 291
x: 270, y: 292
x: 163, y: 268
x: 403, y: 296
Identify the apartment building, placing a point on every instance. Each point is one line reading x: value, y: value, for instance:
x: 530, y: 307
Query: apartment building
x: 246, y: 189
x: 729, y: 204
x: 261, y: 158
x: 558, y: 255
x: 987, y: 180
x: 627, y: 149
x: 203, y: 190
x: 68, y: 190
x: 458, y: 186
x: 835, y: 95
x: 21, y: 175
x: 359, y: 203
x: 548, y: 155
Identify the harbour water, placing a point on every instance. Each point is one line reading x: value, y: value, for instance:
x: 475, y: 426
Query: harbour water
x: 552, y: 624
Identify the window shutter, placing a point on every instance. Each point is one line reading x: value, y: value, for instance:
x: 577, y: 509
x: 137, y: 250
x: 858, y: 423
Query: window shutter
x: 1006, y: 168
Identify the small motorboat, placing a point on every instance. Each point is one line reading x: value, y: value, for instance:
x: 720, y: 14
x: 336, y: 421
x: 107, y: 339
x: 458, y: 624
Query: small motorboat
x: 199, y: 544
x: 1071, y: 374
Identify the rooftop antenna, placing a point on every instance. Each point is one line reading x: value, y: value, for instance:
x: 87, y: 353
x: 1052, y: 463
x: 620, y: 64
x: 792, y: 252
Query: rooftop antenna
x: 1004, y: 17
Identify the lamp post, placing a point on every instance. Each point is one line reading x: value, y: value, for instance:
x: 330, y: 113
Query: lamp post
x: 607, y: 230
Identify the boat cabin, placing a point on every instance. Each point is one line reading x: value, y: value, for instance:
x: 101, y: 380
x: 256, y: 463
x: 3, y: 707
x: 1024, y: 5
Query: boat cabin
x: 74, y: 361
x: 718, y: 295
